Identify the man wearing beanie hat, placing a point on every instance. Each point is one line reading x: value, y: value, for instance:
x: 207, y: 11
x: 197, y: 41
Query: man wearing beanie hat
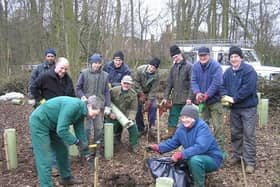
x: 94, y: 81
x: 207, y: 75
x: 239, y: 88
x: 146, y: 85
x: 50, y: 55
x: 116, y: 69
x: 200, y: 150
x: 179, y: 84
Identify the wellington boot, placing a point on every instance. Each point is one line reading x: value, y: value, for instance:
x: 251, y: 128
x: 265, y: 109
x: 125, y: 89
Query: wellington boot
x: 70, y: 181
x: 170, y: 133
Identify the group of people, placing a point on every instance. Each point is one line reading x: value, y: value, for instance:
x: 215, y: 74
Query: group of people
x: 187, y: 84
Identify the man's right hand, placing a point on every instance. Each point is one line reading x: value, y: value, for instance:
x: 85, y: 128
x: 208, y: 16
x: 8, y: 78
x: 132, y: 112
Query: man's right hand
x: 142, y: 97
x: 199, y: 97
x: 153, y: 147
x: 81, y: 145
x: 84, y: 98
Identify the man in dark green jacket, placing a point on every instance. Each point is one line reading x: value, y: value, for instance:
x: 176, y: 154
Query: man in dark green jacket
x: 178, y: 87
x: 49, y: 128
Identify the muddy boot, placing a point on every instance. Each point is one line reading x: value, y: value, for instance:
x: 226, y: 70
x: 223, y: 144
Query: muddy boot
x: 171, y: 131
x: 69, y: 181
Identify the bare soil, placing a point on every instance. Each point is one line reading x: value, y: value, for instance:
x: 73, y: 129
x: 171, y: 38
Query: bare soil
x: 126, y: 168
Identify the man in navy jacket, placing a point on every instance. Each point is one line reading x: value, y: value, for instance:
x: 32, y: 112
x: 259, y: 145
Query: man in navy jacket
x: 239, y: 89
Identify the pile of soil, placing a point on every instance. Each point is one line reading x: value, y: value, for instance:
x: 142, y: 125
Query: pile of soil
x: 126, y: 168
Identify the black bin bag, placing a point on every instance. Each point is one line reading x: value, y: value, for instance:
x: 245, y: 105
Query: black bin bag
x: 165, y: 167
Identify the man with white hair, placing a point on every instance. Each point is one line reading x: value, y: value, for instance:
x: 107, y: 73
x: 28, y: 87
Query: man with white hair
x: 53, y: 83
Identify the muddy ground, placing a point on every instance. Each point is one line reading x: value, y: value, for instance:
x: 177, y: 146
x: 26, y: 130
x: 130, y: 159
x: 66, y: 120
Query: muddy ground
x: 126, y: 168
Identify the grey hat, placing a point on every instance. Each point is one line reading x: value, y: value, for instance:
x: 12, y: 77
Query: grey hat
x: 203, y: 51
x: 127, y: 79
x: 190, y: 111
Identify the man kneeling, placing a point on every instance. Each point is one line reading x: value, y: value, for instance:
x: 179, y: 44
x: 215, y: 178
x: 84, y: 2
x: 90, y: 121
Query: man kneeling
x: 200, y: 149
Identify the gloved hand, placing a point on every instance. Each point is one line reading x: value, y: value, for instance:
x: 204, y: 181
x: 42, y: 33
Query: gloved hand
x: 177, y: 156
x: 42, y: 101
x: 130, y: 123
x: 153, y: 147
x: 81, y: 145
x: 90, y: 160
x: 163, y: 102
x: 227, y: 98
x: 84, y: 98
x: 107, y: 110
x: 147, y: 105
x: 142, y: 97
x: 205, y: 97
x: 199, y: 97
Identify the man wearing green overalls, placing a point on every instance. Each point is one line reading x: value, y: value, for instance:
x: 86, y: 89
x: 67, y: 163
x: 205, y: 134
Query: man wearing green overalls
x: 49, y: 129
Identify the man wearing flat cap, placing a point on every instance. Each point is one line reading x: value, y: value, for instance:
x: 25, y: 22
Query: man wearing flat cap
x: 206, y: 81
x: 116, y: 69
x: 200, y: 150
x: 94, y: 81
x: 239, y: 88
x: 178, y: 87
x: 146, y: 85
x: 50, y: 55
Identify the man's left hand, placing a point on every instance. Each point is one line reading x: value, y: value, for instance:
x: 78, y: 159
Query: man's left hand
x: 147, y: 105
x: 177, y: 156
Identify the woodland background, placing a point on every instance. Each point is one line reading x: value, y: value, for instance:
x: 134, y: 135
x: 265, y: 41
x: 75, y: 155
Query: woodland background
x: 78, y: 28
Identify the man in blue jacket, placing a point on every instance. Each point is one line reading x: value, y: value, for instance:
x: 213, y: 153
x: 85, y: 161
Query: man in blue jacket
x: 116, y: 69
x: 239, y: 89
x: 200, y: 149
x: 207, y: 77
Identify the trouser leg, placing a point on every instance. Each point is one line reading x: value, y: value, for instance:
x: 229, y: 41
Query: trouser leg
x: 152, y: 112
x: 236, y: 130
x: 139, y: 117
x: 174, y: 115
x: 249, y: 133
x: 217, y: 120
x: 89, y: 126
x: 133, y: 135
x: 42, y: 151
x: 199, y: 165
x: 98, y: 128
x: 62, y: 155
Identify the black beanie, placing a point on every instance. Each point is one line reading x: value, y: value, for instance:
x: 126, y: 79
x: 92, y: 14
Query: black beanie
x: 235, y: 50
x: 190, y: 111
x: 119, y: 54
x: 174, y: 50
x: 155, y: 62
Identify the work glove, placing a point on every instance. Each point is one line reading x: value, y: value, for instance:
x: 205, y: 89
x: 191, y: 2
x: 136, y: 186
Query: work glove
x: 205, y: 97
x: 90, y: 160
x: 227, y: 98
x: 84, y: 98
x: 153, y: 147
x: 81, y: 145
x: 199, y: 97
x: 130, y: 123
x: 176, y: 156
x: 147, y: 105
x: 163, y: 102
x: 107, y: 110
x: 42, y: 101
x: 142, y: 97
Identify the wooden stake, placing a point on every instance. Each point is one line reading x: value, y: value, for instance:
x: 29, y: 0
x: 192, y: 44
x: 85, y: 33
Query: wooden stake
x: 95, y: 182
x: 243, y: 171
x: 158, y: 127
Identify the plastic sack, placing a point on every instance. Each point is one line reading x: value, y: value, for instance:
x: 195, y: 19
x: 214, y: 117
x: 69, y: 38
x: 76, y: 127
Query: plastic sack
x: 165, y: 167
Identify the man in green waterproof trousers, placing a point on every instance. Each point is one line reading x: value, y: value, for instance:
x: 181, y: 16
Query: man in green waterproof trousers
x: 49, y: 129
x: 200, y: 149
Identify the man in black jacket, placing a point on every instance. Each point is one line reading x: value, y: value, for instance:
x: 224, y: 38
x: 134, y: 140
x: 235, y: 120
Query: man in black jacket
x: 53, y: 83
